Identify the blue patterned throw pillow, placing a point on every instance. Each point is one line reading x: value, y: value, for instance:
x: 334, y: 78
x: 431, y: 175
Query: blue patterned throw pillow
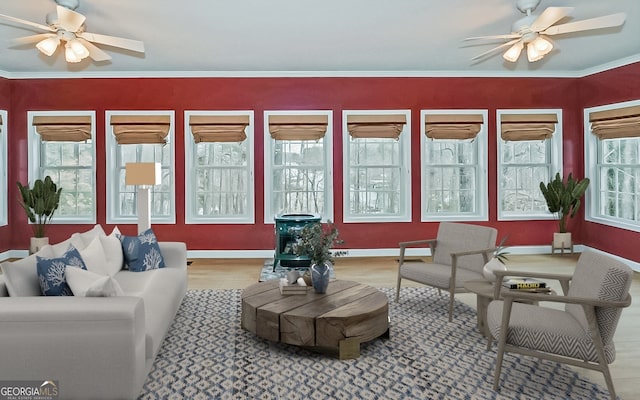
x: 142, y: 252
x: 51, y: 272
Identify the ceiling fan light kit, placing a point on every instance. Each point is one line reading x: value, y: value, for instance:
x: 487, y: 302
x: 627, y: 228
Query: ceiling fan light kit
x: 48, y: 46
x: 68, y: 26
x: 531, y: 31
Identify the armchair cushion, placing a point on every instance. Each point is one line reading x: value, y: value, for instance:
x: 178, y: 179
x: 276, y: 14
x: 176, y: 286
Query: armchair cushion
x: 456, y: 238
x: 546, y: 329
x: 437, y: 275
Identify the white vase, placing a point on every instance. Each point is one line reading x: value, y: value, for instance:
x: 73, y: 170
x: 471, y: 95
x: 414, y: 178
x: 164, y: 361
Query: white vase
x: 37, y: 243
x: 493, y: 265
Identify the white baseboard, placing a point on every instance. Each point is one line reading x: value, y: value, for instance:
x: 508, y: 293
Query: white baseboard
x: 388, y: 252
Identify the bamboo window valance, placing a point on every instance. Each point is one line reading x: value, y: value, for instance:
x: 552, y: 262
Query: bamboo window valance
x: 218, y: 128
x: 515, y: 127
x: 139, y: 129
x: 298, y: 127
x: 452, y: 126
x: 61, y: 128
x: 617, y: 123
x: 376, y: 126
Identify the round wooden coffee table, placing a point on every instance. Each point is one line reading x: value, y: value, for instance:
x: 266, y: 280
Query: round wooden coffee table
x: 348, y: 314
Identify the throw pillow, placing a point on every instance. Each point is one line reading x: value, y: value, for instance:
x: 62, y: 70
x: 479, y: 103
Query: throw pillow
x: 142, y: 252
x: 21, y: 276
x: 51, y: 272
x: 113, y: 251
x: 90, y: 284
x: 94, y: 257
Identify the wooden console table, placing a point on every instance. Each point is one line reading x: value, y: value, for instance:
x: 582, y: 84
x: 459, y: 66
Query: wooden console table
x: 348, y: 314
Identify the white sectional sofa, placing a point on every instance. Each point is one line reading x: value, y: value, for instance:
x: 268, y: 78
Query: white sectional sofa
x: 94, y: 347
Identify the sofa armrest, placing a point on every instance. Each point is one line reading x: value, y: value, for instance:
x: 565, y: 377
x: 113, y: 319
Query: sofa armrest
x: 76, y: 341
x: 174, y: 254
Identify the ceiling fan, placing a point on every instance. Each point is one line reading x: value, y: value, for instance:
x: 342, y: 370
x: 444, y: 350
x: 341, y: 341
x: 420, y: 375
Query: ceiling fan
x: 532, y: 31
x: 68, y: 26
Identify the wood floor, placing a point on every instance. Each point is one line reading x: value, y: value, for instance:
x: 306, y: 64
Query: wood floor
x: 382, y: 272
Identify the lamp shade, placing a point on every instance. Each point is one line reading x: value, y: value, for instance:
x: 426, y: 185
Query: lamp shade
x: 143, y: 174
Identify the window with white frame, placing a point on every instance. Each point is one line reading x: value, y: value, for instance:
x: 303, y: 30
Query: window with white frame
x: 134, y: 137
x: 219, y: 167
x: 62, y: 146
x: 298, y: 163
x: 377, y: 165
x: 612, y: 162
x: 454, y: 165
x: 4, y: 165
x: 529, y: 144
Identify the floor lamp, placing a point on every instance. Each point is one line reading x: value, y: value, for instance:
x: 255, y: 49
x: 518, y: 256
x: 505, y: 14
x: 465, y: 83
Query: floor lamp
x: 143, y: 175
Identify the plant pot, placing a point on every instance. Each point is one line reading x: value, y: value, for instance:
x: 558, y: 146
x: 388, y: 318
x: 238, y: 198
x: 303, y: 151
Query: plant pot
x: 493, y: 265
x: 562, y: 240
x: 37, y: 243
x: 320, y: 277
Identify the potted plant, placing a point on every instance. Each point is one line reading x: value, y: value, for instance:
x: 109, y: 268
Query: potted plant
x: 563, y: 200
x: 39, y: 202
x: 315, y: 242
x: 497, y: 262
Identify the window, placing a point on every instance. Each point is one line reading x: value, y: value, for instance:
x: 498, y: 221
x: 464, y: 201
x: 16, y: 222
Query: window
x: 139, y: 136
x: 377, y: 166
x: 4, y: 165
x: 298, y: 163
x: 219, y: 166
x: 612, y: 161
x: 63, y: 146
x: 529, y: 152
x: 454, y: 165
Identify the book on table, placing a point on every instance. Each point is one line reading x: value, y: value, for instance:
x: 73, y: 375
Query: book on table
x: 524, y: 283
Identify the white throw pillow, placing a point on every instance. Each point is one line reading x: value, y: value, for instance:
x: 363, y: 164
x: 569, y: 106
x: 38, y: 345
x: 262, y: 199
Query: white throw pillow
x: 113, y: 252
x: 60, y: 248
x: 21, y: 277
x: 90, y: 284
x: 91, y: 234
x: 94, y: 257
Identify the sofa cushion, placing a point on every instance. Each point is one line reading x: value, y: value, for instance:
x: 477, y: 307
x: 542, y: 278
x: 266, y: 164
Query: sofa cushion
x: 162, y: 291
x: 51, y: 272
x: 90, y: 284
x: 142, y: 253
x: 21, y: 276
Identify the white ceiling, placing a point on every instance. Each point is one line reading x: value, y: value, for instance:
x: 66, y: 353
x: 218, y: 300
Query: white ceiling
x: 309, y: 38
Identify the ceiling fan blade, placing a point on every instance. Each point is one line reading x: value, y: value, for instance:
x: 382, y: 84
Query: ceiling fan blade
x: 31, y: 39
x: 549, y: 17
x: 494, y: 37
x: 607, y: 21
x: 95, y: 52
x: 25, y: 22
x: 486, y: 53
x: 70, y: 20
x: 129, y: 44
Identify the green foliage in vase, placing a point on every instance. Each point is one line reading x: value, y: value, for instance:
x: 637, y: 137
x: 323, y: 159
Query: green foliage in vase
x: 316, y: 241
x: 40, y: 202
x: 500, y: 254
x: 563, y: 198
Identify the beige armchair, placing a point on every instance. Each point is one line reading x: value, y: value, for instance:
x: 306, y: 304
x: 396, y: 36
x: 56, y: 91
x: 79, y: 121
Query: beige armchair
x: 581, y: 334
x: 459, y: 254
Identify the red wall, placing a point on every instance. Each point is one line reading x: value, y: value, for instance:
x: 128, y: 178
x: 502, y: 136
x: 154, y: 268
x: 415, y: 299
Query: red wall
x: 261, y: 94
x: 614, y: 86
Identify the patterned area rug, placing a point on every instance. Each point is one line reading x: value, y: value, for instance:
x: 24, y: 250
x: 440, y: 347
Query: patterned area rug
x: 206, y: 355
